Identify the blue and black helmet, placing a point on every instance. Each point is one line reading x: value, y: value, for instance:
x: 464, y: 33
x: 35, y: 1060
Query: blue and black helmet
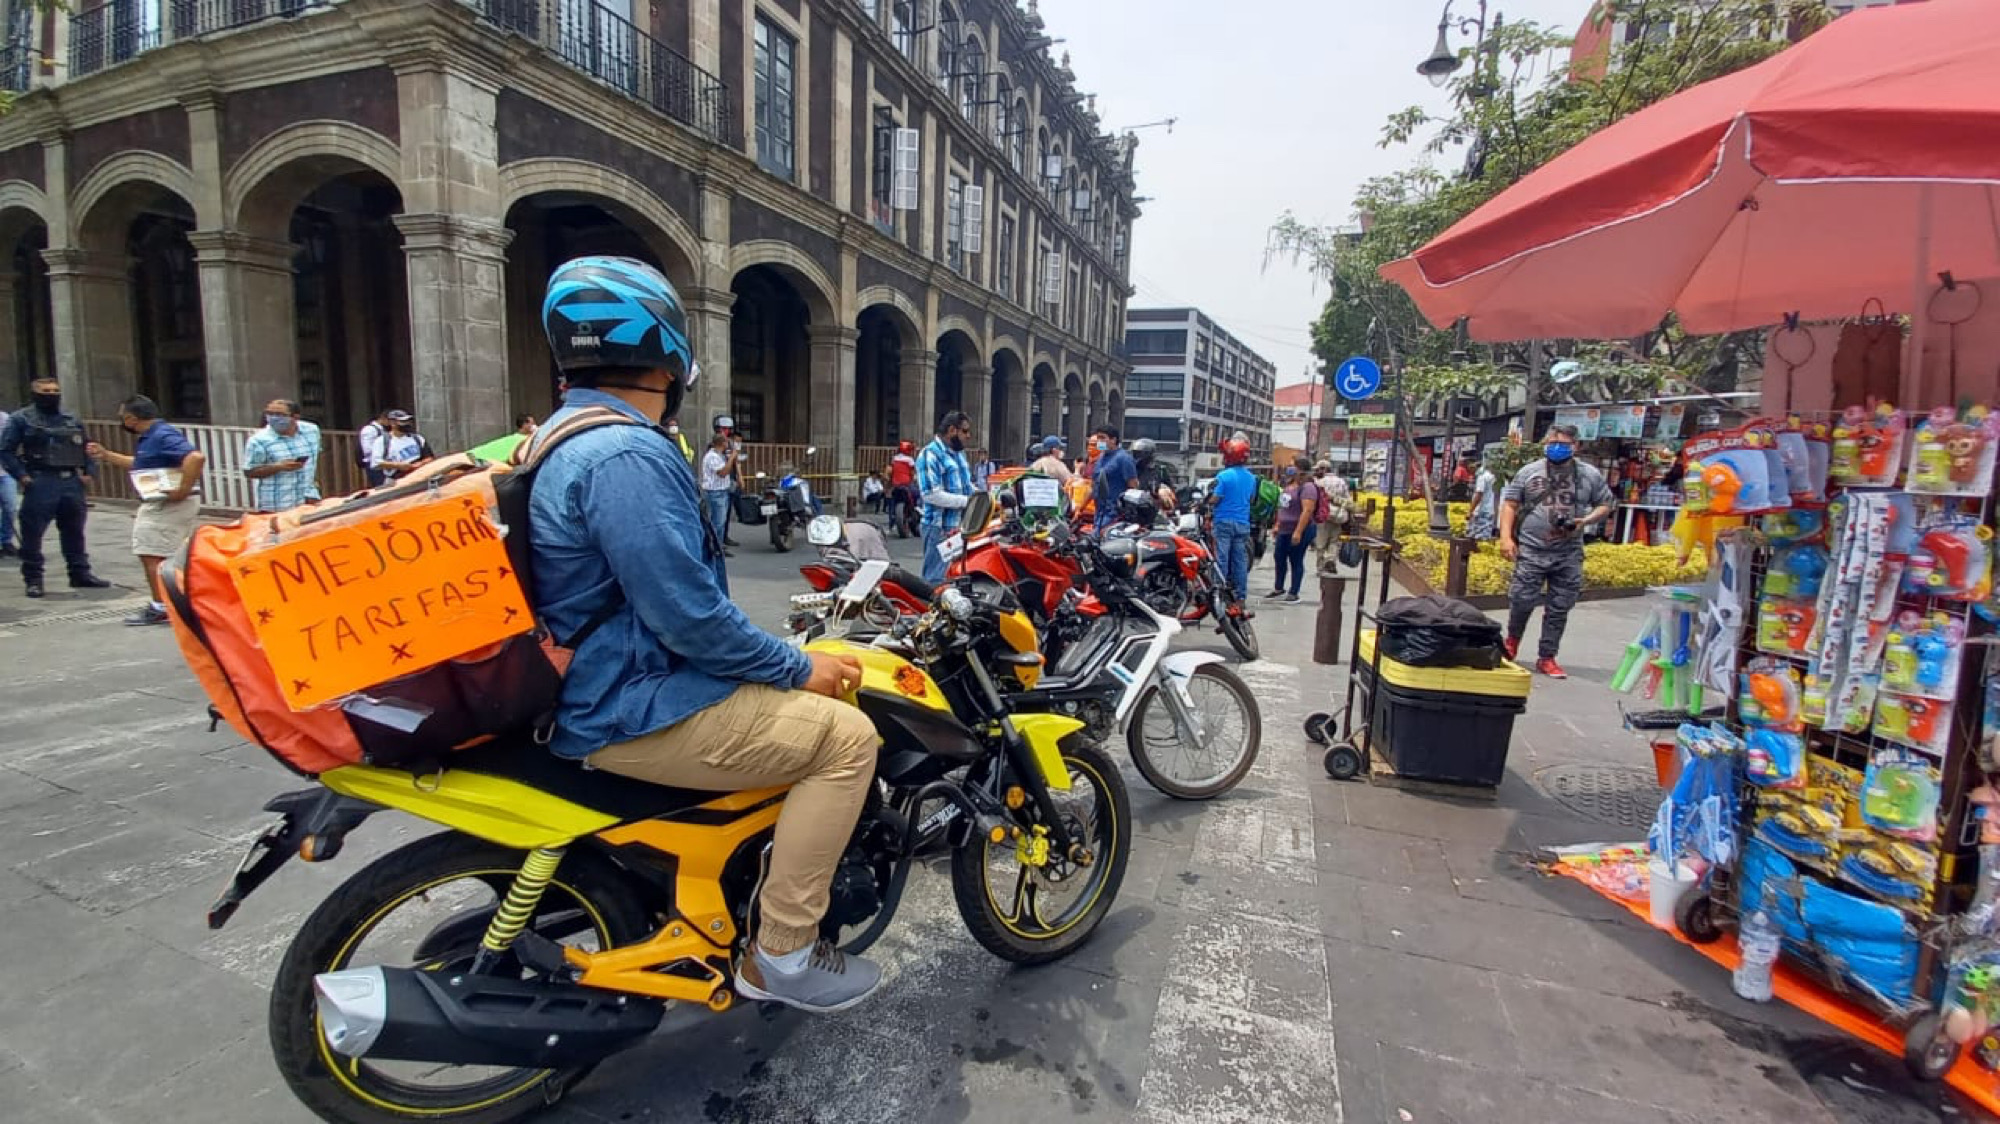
x: 616, y: 312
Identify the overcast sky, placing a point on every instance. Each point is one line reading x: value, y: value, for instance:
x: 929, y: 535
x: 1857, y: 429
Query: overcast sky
x: 1280, y: 103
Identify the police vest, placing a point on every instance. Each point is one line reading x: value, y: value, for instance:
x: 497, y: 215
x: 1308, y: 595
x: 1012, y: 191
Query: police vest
x: 53, y: 442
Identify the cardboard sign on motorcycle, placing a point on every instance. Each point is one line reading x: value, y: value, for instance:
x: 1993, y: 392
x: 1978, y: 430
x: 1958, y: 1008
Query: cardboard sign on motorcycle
x: 378, y: 598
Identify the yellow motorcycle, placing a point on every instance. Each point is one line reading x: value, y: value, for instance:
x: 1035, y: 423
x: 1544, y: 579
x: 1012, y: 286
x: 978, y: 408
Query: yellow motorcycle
x: 478, y: 974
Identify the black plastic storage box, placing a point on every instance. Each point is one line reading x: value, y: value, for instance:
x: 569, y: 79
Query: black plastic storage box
x: 1448, y: 724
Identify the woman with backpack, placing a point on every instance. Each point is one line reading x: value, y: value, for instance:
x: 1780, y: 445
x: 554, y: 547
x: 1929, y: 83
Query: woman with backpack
x: 1298, y: 522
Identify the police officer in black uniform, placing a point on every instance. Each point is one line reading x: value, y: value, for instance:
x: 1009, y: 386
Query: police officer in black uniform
x: 43, y: 448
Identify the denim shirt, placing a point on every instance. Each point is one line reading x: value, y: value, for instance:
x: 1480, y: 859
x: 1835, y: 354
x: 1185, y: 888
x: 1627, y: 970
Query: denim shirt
x: 616, y: 508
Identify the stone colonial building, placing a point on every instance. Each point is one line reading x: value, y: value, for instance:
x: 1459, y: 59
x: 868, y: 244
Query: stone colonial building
x: 874, y: 210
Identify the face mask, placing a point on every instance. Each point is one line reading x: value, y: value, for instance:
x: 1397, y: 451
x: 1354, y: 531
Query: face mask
x: 48, y: 403
x: 1103, y: 446
x: 1557, y: 453
x: 281, y: 422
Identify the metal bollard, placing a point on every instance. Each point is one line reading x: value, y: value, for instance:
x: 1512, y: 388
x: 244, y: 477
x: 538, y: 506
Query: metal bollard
x: 1326, y: 629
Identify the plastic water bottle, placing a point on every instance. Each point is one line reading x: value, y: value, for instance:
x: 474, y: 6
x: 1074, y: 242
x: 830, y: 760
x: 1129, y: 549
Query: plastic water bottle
x: 1759, y: 941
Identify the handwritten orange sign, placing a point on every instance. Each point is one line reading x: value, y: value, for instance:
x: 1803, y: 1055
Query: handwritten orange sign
x: 357, y: 606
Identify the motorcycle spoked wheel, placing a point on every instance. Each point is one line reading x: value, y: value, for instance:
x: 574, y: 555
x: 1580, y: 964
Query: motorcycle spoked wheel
x: 1032, y: 915
x: 1235, y: 627
x: 588, y: 903
x: 781, y: 534
x: 1160, y: 747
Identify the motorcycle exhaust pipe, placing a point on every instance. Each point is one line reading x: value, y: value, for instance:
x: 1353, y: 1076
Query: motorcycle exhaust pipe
x: 402, y: 1014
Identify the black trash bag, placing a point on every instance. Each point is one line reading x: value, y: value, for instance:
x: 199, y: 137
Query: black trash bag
x: 1439, y: 632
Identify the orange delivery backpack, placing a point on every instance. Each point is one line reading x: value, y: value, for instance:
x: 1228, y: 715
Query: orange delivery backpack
x: 388, y: 627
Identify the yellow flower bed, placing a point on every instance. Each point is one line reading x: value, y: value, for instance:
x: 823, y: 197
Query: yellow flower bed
x: 1605, y: 566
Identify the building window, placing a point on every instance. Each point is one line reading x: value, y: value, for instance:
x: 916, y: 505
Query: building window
x: 1017, y: 136
x: 1164, y: 430
x: 948, y: 45
x: 903, y: 24
x: 1157, y: 341
x: 954, y: 225
x: 1155, y: 384
x: 1004, y: 267
x: 972, y: 84
x: 776, y: 85
x: 881, y: 199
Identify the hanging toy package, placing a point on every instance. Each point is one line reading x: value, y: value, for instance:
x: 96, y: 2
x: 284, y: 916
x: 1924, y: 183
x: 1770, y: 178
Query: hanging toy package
x: 1784, y: 625
x: 1735, y: 473
x: 1953, y: 454
x: 1921, y: 656
x: 1919, y: 723
x: 1989, y: 730
x: 1867, y: 447
x: 1951, y: 558
x: 1769, y: 697
x: 1796, y: 453
x: 1775, y: 759
x: 1761, y: 437
x: 1900, y: 795
x: 1795, y: 571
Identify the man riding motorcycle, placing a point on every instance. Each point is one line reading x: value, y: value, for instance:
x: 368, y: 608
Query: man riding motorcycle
x: 675, y: 686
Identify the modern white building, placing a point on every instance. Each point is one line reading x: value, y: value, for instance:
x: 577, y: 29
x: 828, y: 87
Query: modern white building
x: 1193, y: 384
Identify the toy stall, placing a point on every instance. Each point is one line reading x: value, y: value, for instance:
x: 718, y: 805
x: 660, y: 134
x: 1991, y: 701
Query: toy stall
x: 1827, y: 793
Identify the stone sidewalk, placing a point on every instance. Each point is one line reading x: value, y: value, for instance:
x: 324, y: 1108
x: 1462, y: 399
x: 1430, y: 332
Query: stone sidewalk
x: 1300, y: 950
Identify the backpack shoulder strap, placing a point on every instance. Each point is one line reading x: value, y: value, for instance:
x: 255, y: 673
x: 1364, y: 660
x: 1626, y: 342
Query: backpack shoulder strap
x: 530, y: 454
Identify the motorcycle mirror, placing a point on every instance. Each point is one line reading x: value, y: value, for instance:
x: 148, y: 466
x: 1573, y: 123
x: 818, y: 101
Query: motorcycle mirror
x: 978, y: 513
x: 824, y: 530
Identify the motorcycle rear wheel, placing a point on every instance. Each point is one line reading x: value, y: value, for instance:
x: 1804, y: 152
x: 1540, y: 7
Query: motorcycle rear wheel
x: 1159, y: 746
x: 587, y: 898
x: 1237, y: 629
x: 781, y: 534
x: 1098, y: 810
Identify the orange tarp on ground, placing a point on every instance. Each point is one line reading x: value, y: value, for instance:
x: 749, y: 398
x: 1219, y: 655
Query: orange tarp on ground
x: 1814, y: 999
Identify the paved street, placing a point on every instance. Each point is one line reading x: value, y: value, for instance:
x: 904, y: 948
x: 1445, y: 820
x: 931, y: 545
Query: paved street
x: 1300, y: 950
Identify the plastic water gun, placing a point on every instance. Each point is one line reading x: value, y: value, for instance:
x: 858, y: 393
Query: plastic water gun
x: 1639, y: 655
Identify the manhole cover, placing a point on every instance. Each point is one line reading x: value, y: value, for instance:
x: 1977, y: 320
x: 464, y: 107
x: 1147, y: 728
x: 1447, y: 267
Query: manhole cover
x: 1613, y: 794
x: 104, y: 611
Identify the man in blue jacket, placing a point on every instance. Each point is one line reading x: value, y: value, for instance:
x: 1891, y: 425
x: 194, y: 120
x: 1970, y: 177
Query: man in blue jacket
x: 675, y: 685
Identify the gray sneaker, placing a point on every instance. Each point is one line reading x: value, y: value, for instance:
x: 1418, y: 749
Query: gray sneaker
x: 147, y: 615
x: 830, y: 981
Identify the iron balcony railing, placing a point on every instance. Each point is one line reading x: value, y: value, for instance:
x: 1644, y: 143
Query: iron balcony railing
x: 609, y: 48
x: 120, y: 31
x: 17, y: 67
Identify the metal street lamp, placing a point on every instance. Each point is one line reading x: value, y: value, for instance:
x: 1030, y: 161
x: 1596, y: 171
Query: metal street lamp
x: 1443, y: 61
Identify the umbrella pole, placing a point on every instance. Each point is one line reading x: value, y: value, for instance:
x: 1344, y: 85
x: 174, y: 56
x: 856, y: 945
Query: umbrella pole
x: 1911, y: 390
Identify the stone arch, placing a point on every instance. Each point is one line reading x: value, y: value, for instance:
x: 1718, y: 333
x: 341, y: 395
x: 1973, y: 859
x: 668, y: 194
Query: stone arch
x: 669, y: 236
x: 22, y: 205
x: 908, y: 316
x: 949, y: 324
x: 266, y: 184
x: 93, y: 224
x: 1005, y: 342
x: 807, y: 277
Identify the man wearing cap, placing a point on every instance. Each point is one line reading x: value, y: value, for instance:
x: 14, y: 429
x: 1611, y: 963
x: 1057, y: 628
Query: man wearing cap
x: 401, y: 448
x: 1543, y: 513
x: 1051, y: 462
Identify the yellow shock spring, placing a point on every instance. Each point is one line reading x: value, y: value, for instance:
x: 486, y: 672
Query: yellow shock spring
x: 522, y: 898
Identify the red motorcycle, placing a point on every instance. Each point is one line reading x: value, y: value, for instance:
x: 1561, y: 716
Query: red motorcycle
x: 1175, y: 571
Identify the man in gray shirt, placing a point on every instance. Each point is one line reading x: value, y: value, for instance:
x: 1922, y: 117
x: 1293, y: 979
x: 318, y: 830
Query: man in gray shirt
x: 1543, y: 513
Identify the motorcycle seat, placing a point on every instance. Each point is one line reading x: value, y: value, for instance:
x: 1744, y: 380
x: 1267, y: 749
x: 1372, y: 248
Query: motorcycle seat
x: 521, y: 759
x: 914, y: 583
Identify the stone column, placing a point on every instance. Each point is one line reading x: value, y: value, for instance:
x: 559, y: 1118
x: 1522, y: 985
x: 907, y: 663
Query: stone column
x: 832, y: 402
x: 976, y: 399
x: 13, y: 381
x: 916, y: 395
x: 708, y: 327
x: 90, y: 299
x: 458, y: 327
x: 1020, y: 414
x: 247, y: 326
x: 1052, y: 411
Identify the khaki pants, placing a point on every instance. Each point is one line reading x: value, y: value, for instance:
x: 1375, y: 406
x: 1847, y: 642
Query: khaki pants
x: 756, y: 738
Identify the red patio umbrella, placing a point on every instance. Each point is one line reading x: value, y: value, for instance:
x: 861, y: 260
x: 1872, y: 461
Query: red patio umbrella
x: 1861, y: 162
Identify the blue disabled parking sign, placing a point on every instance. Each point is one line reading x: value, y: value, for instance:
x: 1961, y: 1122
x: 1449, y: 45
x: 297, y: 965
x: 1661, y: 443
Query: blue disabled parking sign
x: 1357, y: 378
